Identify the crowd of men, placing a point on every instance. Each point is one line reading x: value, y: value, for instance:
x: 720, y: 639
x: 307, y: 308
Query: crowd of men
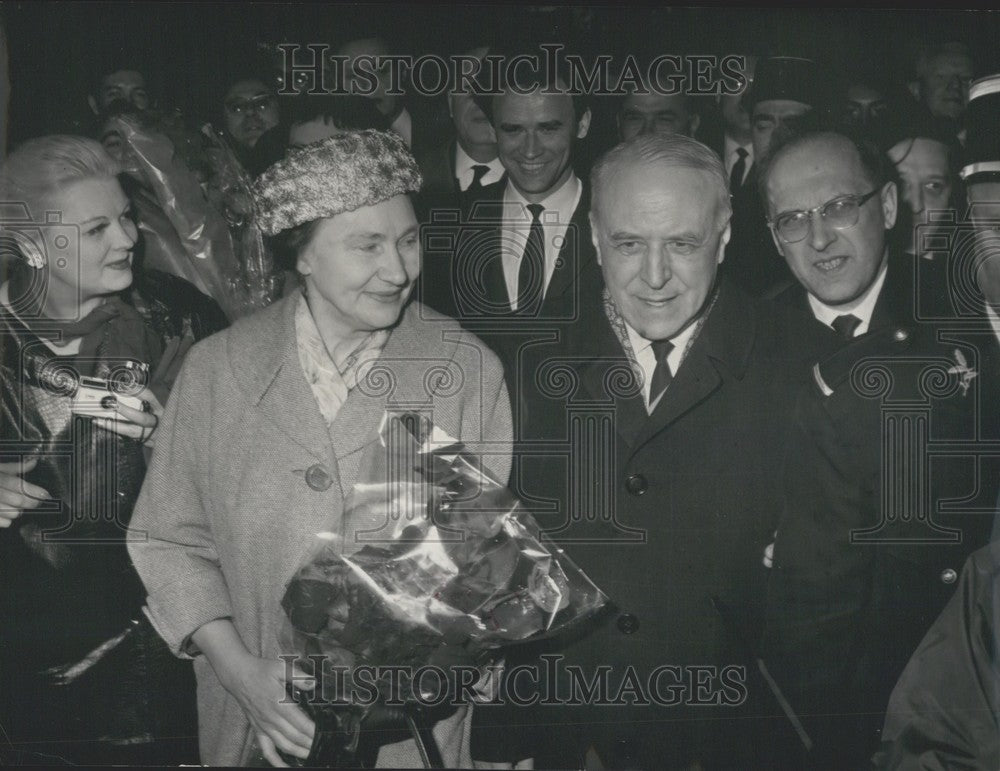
x: 753, y: 382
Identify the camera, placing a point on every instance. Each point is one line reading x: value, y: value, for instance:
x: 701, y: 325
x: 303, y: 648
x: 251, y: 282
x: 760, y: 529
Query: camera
x: 95, y: 396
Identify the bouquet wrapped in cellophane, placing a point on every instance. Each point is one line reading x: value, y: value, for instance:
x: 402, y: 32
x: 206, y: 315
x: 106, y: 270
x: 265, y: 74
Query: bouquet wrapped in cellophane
x: 194, y: 207
x: 434, y: 554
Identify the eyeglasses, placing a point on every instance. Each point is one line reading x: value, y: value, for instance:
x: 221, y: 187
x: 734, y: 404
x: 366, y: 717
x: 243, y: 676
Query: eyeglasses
x: 840, y: 213
x: 257, y: 104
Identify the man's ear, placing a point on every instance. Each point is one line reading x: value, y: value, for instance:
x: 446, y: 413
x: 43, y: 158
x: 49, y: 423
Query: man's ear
x: 778, y: 243
x: 583, y: 125
x: 593, y: 236
x: 693, y: 124
x: 723, y: 240
x: 890, y: 204
x: 93, y: 105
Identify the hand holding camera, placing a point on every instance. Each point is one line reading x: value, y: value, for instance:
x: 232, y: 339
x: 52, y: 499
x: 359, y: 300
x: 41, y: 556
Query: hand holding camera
x: 133, y: 416
x: 121, y: 403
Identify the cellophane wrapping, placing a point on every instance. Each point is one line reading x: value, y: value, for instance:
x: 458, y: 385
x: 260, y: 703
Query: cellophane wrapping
x: 194, y: 208
x: 434, y: 553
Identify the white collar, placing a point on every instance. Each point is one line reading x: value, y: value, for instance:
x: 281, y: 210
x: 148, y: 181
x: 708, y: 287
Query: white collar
x: 680, y: 341
x: 464, y: 163
x: 646, y: 358
x: 731, y: 146
x: 562, y: 201
x: 863, y: 307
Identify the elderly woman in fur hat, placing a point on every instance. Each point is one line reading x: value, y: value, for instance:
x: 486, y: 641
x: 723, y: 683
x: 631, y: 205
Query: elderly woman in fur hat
x: 264, y: 435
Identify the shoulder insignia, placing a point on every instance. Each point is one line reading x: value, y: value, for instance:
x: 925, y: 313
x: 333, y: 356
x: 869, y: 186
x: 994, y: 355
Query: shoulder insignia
x: 963, y: 370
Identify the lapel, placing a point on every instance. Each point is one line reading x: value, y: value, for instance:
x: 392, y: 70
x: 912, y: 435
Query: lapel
x: 721, y: 350
x: 895, y: 303
x: 449, y: 164
x: 577, y: 257
x: 483, y: 236
x: 264, y: 358
x: 603, y: 352
x: 396, y: 381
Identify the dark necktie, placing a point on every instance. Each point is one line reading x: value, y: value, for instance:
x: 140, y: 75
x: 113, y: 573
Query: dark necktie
x: 845, y: 325
x: 661, y: 374
x: 478, y: 172
x: 739, y: 169
x: 531, y: 273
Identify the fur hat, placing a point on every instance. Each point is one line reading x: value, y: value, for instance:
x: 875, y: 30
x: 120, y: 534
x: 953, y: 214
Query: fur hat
x: 341, y: 173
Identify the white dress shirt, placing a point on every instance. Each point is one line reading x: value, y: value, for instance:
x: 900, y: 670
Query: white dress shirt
x: 646, y: 359
x: 863, y: 307
x: 464, y: 173
x: 731, y: 157
x: 516, y: 223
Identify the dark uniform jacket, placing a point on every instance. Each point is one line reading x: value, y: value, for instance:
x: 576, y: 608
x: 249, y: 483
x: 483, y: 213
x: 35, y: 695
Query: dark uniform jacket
x: 944, y: 710
x: 664, y: 512
x: 887, y: 491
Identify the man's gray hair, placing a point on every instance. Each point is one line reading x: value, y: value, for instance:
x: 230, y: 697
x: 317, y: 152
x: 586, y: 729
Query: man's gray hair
x: 670, y: 150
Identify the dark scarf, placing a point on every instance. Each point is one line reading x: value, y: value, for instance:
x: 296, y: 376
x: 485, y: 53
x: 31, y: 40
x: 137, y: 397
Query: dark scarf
x: 112, y: 331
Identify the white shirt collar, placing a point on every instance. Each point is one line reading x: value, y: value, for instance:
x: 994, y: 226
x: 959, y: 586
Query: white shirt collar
x: 562, y: 200
x: 464, y: 173
x: 646, y: 359
x: 559, y: 208
x: 863, y: 307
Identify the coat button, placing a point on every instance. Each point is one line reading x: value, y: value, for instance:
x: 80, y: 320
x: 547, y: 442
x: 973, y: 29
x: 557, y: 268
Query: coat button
x: 628, y: 624
x: 636, y: 484
x: 948, y: 576
x: 318, y: 478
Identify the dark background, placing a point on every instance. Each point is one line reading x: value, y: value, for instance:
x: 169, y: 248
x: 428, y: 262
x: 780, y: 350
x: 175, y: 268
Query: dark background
x: 191, y: 50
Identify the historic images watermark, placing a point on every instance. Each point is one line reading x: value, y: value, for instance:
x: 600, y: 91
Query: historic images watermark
x: 312, y: 69
x: 547, y: 682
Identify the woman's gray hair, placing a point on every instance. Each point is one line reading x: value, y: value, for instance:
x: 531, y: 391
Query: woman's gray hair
x: 670, y: 150
x: 40, y: 168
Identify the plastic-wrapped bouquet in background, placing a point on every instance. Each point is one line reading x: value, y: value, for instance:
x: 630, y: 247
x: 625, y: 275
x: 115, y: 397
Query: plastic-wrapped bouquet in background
x: 193, y: 206
x: 435, y: 553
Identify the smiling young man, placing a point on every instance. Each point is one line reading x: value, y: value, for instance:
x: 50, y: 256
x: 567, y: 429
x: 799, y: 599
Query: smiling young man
x: 523, y: 256
x: 830, y: 205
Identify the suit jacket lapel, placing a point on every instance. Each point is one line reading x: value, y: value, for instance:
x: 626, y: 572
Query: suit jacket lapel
x: 601, y: 353
x: 722, y: 349
x: 484, y: 236
x: 274, y: 380
x: 696, y: 379
x: 895, y: 303
x: 396, y: 381
x: 576, y: 256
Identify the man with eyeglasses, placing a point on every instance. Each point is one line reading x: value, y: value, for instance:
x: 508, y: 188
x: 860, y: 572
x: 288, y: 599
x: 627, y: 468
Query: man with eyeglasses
x: 251, y: 109
x: 872, y: 533
x: 830, y: 205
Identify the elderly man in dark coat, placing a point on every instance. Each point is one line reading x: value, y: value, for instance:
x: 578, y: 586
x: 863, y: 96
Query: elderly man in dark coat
x: 651, y: 455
